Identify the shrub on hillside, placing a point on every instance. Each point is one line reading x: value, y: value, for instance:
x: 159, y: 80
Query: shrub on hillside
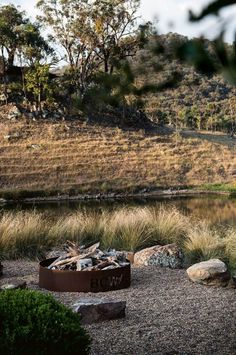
x: 35, y: 323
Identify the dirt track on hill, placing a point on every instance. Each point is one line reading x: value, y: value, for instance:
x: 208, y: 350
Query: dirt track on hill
x: 166, y: 314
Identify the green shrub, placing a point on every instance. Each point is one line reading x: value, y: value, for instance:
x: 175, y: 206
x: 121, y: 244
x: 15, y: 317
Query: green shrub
x: 35, y: 323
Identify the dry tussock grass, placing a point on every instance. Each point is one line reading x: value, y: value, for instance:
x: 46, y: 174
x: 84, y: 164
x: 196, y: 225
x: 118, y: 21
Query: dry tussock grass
x: 127, y: 228
x: 203, y: 242
x: 168, y: 225
x: 230, y: 247
x: 31, y: 234
x: 23, y: 234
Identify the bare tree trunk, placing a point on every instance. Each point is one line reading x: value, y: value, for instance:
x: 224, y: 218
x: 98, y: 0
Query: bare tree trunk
x: 106, y: 67
x: 23, y: 78
x: 11, y: 56
x: 4, y: 75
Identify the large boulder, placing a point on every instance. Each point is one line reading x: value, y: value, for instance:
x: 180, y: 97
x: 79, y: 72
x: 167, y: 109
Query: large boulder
x: 93, y: 310
x: 167, y: 256
x: 212, y: 273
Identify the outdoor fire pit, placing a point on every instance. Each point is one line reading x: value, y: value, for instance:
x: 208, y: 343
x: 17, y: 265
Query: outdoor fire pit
x: 104, y: 273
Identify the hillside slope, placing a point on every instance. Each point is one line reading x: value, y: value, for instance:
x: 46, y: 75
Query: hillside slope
x: 84, y: 158
x: 198, y: 101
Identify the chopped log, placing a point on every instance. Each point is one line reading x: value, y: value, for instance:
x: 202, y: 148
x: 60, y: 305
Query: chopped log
x: 87, y: 259
x: 74, y: 258
x: 91, y: 249
x: 67, y: 261
x: 71, y: 248
x: 105, y: 264
x: 62, y: 257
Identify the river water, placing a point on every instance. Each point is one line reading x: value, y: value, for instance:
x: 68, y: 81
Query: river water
x: 216, y: 209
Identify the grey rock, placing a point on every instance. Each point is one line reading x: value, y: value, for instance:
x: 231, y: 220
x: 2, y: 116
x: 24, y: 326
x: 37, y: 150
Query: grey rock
x: 14, y: 113
x: 13, y: 136
x: 13, y: 286
x: 93, y: 310
x: 45, y: 114
x: 35, y: 146
x: 3, y: 97
x: 212, y: 272
x: 166, y: 256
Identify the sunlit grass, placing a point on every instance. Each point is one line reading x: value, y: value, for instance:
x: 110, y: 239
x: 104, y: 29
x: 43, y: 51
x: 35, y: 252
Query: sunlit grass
x: 230, y: 247
x: 29, y: 233
x: 48, y: 158
x: 32, y: 234
x: 127, y: 229
x: 23, y: 234
x: 203, y: 242
x: 80, y: 227
x: 167, y: 225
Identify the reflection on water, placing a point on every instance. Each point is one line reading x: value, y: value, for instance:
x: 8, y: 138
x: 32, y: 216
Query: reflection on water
x: 220, y: 209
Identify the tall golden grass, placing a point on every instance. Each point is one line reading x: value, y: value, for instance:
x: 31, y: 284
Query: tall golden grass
x: 203, y: 242
x: 23, y: 234
x: 230, y: 247
x: 32, y: 234
x: 168, y: 225
x: 79, y: 227
x: 127, y: 228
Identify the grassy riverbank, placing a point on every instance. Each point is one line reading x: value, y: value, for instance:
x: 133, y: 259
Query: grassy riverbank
x: 31, y: 234
x: 229, y: 188
x: 43, y: 159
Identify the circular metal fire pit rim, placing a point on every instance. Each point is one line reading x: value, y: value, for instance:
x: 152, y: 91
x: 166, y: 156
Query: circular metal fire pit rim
x: 83, y: 281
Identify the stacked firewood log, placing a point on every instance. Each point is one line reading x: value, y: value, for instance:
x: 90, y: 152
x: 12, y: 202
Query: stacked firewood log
x: 81, y: 258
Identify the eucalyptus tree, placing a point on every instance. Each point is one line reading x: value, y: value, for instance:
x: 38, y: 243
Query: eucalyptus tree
x: 113, y: 30
x: 11, y: 20
x: 93, y: 34
x: 67, y: 22
x: 33, y: 48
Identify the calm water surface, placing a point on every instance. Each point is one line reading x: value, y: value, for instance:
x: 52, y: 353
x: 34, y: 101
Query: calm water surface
x: 218, y: 210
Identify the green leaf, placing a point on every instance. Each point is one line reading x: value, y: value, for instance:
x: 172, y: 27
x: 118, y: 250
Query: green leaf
x: 212, y: 9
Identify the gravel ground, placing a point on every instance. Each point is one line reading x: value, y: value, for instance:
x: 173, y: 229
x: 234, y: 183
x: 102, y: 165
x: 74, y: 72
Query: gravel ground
x: 166, y: 314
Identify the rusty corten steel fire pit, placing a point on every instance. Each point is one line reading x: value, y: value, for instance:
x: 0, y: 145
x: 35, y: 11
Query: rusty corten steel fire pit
x: 83, y: 281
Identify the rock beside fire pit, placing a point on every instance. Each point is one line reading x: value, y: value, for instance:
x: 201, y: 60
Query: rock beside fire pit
x: 166, y: 256
x: 211, y: 273
x: 93, y: 310
x: 15, y: 285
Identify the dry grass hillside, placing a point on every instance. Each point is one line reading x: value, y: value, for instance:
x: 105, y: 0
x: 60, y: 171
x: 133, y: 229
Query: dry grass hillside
x: 88, y: 158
